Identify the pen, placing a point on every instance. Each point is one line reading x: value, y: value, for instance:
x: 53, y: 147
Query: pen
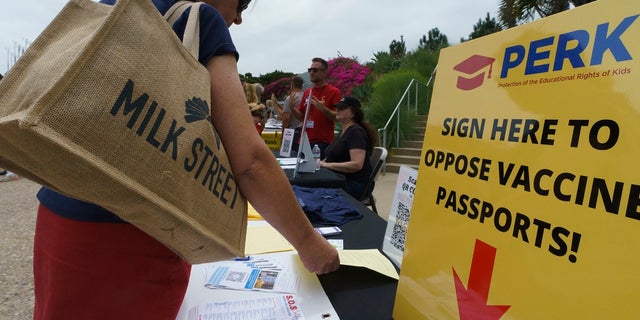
x: 247, y: 258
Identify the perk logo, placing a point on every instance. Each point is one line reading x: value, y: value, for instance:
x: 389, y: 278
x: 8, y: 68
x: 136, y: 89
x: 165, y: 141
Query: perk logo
x: 474, y: 69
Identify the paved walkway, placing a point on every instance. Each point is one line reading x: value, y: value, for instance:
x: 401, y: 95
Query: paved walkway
x: 384, y: 191
x: 17, y: 215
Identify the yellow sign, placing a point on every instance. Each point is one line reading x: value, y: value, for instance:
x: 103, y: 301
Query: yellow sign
x: 528, y: 202
x: 273, y: 139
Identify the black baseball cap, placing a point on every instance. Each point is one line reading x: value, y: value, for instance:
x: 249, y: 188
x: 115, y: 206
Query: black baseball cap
x: 348, y: 102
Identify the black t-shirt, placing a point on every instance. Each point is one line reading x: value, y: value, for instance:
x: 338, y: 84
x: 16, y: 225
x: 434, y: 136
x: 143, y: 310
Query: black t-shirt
x: 354, y: 138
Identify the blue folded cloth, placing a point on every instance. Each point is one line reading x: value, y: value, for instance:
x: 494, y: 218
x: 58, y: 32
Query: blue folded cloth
x: 326, y: 206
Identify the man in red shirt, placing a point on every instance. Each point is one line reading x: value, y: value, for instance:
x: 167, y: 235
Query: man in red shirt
x: 322, y: 115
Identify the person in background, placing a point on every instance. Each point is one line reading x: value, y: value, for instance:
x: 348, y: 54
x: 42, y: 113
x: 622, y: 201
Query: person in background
x: 349, y: 153
x: 88, y: 263
x: 273, y: 108
x: 292, y: 101
x: 256, y: 108
x: 259, y: 90
x: 257, y: 113
x: 253, y: 92
x: 322, y: 97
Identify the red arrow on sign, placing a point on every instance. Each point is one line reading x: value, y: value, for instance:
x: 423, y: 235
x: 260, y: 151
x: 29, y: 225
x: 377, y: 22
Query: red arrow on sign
x: 472, y: 301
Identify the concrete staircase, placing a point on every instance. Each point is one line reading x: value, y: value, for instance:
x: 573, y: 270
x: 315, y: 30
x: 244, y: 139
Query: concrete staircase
x: 410, y: 150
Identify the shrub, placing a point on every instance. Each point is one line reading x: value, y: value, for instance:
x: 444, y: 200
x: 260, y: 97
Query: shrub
x: 279, y: 87
x: 346, y: 74
x: 387, y: 92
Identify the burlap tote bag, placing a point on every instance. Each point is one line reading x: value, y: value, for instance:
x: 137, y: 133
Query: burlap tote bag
x: 108, y: 106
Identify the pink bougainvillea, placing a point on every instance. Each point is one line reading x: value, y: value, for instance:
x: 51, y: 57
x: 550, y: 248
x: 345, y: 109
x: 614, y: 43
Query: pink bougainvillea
x: 279, y: 87
x: 346, y: 74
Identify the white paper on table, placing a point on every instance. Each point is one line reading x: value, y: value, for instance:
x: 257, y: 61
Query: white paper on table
x: 336, y: 243
x: 287, y: 161
x: 310, y: 296
x: 283, y: 307
x: 271, y: 274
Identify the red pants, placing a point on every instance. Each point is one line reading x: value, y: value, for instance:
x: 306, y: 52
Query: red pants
x: 88, y: 270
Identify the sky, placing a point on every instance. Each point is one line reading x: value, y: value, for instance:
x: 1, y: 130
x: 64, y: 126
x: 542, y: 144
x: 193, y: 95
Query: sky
x: 286, y: 35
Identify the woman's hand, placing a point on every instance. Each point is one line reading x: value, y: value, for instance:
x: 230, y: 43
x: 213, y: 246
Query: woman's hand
x: 318, y: 255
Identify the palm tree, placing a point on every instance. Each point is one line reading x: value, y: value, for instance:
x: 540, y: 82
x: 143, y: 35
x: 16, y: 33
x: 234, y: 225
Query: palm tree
x: 435, y: 40
x: 484, y: 27
x: 514, y: 12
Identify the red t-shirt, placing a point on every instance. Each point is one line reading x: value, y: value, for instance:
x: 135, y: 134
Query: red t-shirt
x: 319, y: 127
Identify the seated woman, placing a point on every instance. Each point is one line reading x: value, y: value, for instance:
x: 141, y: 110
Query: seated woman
x: 349, y: 153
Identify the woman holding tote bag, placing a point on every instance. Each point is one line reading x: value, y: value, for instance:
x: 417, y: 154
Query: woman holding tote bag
x: 90, y: 264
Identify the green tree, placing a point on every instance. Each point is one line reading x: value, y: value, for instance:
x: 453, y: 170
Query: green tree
x: 422, y: 61
x: 484, y: 27
x: 434, y: 40
x: 382, y: 62
x: 379, y: 58
x: 514, y: 12
x: 273, y: 76
x: 385, y: 62
x: 248, y: 77
x: 398, y: 49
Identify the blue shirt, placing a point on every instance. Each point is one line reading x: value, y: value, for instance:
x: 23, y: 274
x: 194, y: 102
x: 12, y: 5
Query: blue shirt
x: 325, y: 206
x: 215, y: 40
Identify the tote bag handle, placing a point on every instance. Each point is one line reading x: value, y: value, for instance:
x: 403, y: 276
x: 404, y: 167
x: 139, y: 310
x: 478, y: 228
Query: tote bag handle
x: 191, y: 37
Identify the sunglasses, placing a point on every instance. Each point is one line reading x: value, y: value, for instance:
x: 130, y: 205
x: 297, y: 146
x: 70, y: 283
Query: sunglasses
x: 243, y: 5
x: 310, y: 70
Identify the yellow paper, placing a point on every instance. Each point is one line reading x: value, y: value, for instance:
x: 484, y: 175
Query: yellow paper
x: 264, y: 238
x: 371, y: 259
x: 252, y: 214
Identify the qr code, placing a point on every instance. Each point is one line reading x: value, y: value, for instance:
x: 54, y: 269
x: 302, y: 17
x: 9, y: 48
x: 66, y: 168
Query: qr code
x: 235, y: 276
x: 400, y: 227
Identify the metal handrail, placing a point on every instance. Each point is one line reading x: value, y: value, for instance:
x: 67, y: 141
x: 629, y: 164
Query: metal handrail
x: 396, y: 111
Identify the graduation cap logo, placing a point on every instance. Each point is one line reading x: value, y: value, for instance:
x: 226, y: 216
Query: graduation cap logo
x: 474, y: 70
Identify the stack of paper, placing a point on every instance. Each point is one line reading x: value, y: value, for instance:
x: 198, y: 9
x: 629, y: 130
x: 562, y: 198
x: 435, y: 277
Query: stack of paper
x: 261, y: 274
x: 283, y: 307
